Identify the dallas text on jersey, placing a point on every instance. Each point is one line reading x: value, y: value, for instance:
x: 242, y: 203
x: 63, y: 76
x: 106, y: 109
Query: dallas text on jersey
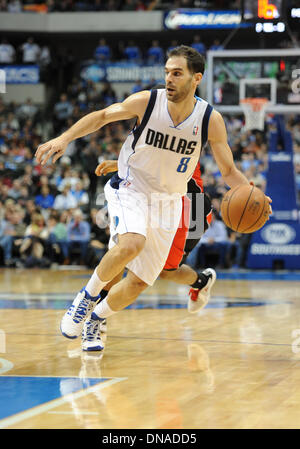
x: 165, y: 142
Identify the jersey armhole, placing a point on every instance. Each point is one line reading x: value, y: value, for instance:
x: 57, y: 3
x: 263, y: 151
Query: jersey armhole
x: 205, y: 121
x: 137, y: 131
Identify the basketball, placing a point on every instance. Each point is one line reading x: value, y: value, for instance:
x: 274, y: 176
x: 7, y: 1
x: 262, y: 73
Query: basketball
x: 245, y: 209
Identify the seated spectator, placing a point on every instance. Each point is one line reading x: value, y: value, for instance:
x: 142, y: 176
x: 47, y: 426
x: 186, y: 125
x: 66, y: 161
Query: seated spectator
x: 58, y: 239
x: 27, y: 110
x: 240, y: 245
x: 132, y: 53
x: 6, y: 241
x: 15, y: 191
x: 78, y: 235
x: 7, y: 52
x: 108, y: 95
x: 30, y: 209
x: 45, y: 200
x: 216, y: 45
x: 198, y: 45
x: 24, y: 195
x: 31, y: 52
x: 155, y: 54
x: 70, y: 177
x: 102, y: 52
x: 65, y: 200
x: 45, y: 57
x: 80, y: 195
x: 14, y: 6
x: 62, y: 111
x: 99, y: 234
x: 214, y: 240
x: 34, y: 245
x: 173, y: 44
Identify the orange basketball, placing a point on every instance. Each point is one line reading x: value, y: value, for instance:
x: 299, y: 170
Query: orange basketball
x: 245, y: 209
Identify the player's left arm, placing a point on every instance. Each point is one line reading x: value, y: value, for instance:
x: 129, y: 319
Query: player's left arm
x: 217, y: 138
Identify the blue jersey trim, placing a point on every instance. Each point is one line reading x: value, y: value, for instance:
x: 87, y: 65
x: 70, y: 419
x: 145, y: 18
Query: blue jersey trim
x: 138, y: 131
x: 176, y: 127
x: 115, y: 181
x: 205, y: 121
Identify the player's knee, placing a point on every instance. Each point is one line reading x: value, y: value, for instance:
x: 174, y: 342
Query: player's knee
x: 139, y: 285
x: 135, y: 284
x: 167, y: 274
x: 132, y: 245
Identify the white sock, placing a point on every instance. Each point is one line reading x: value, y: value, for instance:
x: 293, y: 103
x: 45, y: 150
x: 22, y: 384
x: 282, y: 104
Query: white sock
x: 102, y: 310
x: 95, y: 285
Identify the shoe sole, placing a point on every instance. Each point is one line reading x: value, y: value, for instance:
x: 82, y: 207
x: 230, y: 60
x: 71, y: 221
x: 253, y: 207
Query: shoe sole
x: 71, y: 337
x: 213, y: 280
x: 96, y: 348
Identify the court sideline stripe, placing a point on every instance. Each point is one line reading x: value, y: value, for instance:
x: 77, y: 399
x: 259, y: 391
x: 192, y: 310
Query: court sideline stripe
x: 6, y: 422
x: 201, y: 341
x: 163, y: 339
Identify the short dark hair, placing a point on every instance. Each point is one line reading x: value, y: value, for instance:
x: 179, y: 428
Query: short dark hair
x: 195, y: 61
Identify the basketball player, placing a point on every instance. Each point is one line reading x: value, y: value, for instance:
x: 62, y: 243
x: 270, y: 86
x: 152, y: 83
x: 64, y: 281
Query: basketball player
x: 174, y: 269
x: 156, y: 161
x: 183, y: 243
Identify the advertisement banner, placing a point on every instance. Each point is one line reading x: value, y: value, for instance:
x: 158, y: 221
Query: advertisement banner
x: 278, y: 242
x: 21, y: 74
x: 122, y: 73
x: 197, y: 19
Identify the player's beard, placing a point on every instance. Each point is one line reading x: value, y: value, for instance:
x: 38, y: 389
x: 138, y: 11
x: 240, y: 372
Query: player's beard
x: 180, y: 95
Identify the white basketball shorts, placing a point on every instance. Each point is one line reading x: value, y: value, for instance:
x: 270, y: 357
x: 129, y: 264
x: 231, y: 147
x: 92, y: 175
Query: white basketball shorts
x: 155, y: 216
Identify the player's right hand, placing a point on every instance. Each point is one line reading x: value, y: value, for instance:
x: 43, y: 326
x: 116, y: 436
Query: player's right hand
x: 55, y: 147
x: 106, y: 167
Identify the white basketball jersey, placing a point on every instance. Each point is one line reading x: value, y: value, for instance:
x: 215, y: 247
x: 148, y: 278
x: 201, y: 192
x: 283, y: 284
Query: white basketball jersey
x: 158, y: 156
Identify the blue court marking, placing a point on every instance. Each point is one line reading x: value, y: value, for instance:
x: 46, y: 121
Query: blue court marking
x: 35, y: 304
x: 259, y: 275
x: 167, y: 303
x: 242, y: 275
x: 210, y: 305
x: 18, y: 394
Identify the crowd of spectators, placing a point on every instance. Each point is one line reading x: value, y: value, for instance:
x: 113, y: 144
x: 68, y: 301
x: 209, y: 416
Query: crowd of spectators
x: 48, y: 214
x: 152, y: 53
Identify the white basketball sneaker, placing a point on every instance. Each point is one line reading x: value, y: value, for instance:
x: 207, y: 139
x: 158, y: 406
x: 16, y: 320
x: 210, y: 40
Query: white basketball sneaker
x: 91, y: 334
x: 103, y: 326
x: 72, y: 322
x: 199, y: 298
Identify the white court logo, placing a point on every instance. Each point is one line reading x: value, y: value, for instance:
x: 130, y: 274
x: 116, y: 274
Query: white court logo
x: 278, y: 233
x: 2, y: 342
x: 296, y: 341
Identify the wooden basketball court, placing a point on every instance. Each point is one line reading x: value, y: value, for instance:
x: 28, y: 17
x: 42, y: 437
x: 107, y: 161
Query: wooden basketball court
x: 236, y: 364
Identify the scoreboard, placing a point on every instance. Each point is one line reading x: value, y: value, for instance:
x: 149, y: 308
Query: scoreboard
x: 260, y: 10
x: 266, y: 15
